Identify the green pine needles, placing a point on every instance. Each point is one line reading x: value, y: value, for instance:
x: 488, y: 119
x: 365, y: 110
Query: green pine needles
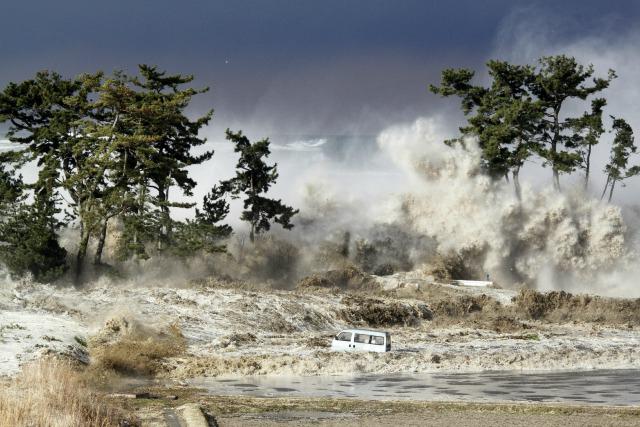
x: 112, y: 152
x: 523, y: 113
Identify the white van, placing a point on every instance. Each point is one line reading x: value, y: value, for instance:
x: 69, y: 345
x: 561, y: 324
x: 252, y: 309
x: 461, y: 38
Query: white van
x: 362, y: 340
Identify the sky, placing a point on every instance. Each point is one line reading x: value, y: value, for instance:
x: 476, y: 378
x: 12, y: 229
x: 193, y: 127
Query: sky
x: 308, y: 69
x: 290, y: 66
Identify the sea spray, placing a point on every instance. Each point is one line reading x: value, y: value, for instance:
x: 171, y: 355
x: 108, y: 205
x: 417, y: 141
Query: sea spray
x: 571, y: 238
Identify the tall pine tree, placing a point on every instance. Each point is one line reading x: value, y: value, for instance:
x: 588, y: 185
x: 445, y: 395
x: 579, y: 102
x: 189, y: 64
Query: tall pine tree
x: 558, y: 80
x: 28, y: 239
x: 253, y: 179
x: 160, y: 114
x: 622, y: 148
x: 503, y: 116
x: 587, y: 132
x: 522, y: 112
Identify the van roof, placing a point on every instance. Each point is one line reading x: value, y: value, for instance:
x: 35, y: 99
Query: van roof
x: 365, y: 331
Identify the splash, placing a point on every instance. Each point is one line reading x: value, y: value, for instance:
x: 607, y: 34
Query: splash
x: 549, y: 239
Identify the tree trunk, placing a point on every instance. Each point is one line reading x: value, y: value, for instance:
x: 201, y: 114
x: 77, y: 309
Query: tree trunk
x: 165, y: 226
x: 161, y: 201
x: 554, y: 149
x: 135, y: 242
x: 141, y: 206
x: 82, y: 251
x: 516, y: 183
x: 167, y: 215
x: 253, y: 223
x: 97, y: 260
x: 613, y: 184
x: 604, y: 190
x: 556, y: 179
x: 587, y: 168
x: 346, y: 242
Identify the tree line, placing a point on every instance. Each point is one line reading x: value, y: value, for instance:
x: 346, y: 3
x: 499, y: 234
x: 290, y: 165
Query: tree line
x: 111, y: 149
x: 523, y: 113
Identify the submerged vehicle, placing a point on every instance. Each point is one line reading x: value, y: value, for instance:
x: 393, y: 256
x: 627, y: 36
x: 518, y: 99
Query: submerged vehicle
x: 362, y: 340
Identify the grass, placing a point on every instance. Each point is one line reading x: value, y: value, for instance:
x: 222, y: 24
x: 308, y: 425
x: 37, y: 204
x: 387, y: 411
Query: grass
x: 562, y: 306
x: 378, y: 313
x: 455, y: 307
x: 227, y: 405
x: 50, y: 393
x: 136, y: 353
x: 80, y: 340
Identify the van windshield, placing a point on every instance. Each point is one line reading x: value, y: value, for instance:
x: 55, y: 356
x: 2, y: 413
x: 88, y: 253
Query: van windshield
x: 344, y: 336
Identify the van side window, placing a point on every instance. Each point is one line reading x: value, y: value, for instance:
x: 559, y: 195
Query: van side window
x: 344, y: 336
x: 377, y: 340
x: 361, y: 338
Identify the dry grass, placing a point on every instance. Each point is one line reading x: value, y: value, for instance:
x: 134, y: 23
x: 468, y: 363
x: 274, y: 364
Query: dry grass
x: 227, y: 405
x: 377, y: 312
x: 137, y: 351
x: 50, y: 393
x: 464, y: 305
x: 563, y: 306
x: 228, y: 282
x: 346, y: 277
x: 451, y: 306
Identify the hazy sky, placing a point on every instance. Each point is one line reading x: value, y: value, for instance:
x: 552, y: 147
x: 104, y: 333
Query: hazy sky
x: 292, y: 66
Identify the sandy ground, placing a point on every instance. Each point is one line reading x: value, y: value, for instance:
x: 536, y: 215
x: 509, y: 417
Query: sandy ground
x: 459, y: 419
x: 235, y: 332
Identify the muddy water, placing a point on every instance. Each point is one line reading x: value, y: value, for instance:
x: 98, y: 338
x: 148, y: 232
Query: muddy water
x: 606, y: 387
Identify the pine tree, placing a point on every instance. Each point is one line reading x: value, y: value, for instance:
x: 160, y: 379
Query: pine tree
x: 560, y: 79
x: 29, y: 244
x: 43, y: 114
x: 622, y: 148
x: 522, y: 113
x: 254, y: 178
x: 502, y: 116
x: 160, y: 114
x: 587, y: 132
x: 157, y: 142
x: 205, y: 232
x: 124, y: 193
x: 28, y: 239
x: 11, y: 184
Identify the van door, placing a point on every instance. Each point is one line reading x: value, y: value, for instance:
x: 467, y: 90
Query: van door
x: 361, y: 342
x: 342, y: 341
